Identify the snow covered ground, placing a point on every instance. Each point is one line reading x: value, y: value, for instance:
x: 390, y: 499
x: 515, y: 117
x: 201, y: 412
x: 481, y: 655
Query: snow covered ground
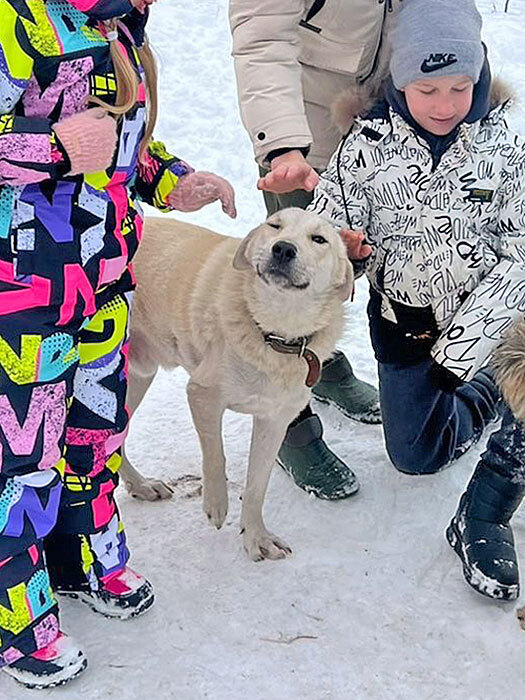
x: 372, y: 604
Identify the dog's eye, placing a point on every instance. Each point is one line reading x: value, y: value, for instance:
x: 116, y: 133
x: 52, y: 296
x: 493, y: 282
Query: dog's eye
x: 319, y: 239
x: 273, y: 225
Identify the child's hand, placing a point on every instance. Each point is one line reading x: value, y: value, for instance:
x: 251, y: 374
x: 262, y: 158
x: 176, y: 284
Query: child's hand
x: 195, y: 190
x: 78, y: 134
x: 141, y: 5
x: 356, y: 248
x: 289, y: 172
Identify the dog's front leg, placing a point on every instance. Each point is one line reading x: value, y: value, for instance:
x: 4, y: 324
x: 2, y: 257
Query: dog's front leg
x: 267, y: 436
x: 207, y: 408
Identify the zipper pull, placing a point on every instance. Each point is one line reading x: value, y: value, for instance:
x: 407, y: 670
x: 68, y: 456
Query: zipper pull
x: 389, y: 4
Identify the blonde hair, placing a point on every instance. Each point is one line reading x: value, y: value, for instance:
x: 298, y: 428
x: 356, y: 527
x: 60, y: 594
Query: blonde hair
x: 128, y: 84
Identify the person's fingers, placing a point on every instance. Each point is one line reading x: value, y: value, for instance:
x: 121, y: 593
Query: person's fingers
x: 352, y: 251
x: 295, y: 173
x: 362, y: 252
x: 358, y: 251
x: 280, y: 175
x: 292, y: 179
x: 269, y: 180
x: 297, y: 176
x: 227, y: 197
x: 230, y: 209
x: 356, y: 248
x: 286, y: 178
x: 349, y: 234
x: 299, y: 171
x: 351, y: 239
x: 274, y: 181
x: 311, y: 181
x: 207, y: 188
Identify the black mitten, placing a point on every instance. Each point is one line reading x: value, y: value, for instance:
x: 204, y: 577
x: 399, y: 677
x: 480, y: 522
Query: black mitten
x: 444, y: 379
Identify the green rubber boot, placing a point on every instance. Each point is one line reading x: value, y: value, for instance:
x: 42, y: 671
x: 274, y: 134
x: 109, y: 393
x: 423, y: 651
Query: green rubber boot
x: 312, y: 465
x: 340, y: 387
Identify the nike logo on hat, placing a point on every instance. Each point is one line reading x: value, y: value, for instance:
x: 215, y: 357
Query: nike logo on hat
x: 438, y: 60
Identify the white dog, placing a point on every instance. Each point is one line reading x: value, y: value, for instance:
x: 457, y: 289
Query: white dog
x: 251, y: 321
x: 509, y: 362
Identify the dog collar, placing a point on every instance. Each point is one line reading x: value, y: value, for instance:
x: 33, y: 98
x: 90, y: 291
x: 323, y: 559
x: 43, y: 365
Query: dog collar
x: 297, y: 347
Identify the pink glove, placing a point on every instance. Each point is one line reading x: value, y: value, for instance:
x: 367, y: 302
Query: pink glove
x: 195, y: 190
x: 89, y: 139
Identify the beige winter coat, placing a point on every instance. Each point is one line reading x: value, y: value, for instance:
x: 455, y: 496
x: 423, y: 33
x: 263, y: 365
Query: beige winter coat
x: 292, y: 59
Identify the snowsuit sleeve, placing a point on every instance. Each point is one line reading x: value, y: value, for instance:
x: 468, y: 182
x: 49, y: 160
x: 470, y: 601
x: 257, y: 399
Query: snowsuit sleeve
x: 499, y: 300
x: 158, y: 174
x: 28, y: 147
x: 266, y: 48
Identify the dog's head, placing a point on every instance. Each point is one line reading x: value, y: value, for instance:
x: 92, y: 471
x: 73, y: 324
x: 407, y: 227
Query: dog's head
x: 297, y: 250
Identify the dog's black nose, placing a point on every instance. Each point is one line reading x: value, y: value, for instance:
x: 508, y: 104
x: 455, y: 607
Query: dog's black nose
x: 283, y: 252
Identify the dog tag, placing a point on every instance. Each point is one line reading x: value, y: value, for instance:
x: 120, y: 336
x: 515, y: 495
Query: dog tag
x: 314, y: 367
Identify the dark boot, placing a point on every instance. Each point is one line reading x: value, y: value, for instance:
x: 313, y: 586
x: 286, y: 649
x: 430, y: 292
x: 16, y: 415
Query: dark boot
x: 482, y: 537
x: 312, y: 465
x: 340, y: 387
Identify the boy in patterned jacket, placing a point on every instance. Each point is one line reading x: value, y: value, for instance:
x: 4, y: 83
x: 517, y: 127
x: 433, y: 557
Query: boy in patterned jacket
x: 435, y: 179
x: 71, y: 181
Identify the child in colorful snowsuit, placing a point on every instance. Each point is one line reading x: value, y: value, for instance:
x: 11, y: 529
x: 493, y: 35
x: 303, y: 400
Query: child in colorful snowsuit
x: 436, y: 180
x: 70, y: 222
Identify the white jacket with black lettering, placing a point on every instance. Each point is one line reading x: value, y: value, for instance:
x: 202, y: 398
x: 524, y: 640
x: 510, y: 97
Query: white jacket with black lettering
x: 450, y: 239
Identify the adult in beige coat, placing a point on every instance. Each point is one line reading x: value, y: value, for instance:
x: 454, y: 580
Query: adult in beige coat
x: 293, y: 61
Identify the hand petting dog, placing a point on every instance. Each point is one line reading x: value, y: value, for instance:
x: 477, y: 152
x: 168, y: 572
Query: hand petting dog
x: 356, y: 247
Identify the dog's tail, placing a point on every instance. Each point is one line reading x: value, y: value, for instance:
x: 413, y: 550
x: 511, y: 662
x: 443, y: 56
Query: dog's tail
x: 509, y: 363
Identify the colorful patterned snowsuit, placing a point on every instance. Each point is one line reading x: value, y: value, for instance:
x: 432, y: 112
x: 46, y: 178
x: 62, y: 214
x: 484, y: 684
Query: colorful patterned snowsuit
x: 65, y: 290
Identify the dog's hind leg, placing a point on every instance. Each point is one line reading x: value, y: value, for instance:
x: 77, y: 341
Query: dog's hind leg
x: 267, y: 436
x: 207, y: 409
x: 136, y: 484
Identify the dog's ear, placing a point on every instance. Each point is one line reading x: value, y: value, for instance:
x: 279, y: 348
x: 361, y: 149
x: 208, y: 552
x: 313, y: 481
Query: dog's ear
x: 240, y: 261
x: 345, y: 288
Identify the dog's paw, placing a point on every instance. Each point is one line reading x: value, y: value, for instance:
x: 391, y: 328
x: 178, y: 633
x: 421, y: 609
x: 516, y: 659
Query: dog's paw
x: 264, y: 545
x: 215, y: 504
x: 149, y: 490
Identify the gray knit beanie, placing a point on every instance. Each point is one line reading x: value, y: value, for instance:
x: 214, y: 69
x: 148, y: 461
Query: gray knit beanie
x: 433, y: 38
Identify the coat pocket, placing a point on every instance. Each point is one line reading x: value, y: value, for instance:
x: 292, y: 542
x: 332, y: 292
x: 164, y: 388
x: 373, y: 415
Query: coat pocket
x: 342, y: 36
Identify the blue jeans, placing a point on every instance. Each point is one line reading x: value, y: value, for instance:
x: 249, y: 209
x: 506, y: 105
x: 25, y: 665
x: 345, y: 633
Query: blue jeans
x: 426, y: 428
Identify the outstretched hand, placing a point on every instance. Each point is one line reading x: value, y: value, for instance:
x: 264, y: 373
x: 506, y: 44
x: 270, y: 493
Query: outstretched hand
x: 289, y: 172
x: 195, y: 190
